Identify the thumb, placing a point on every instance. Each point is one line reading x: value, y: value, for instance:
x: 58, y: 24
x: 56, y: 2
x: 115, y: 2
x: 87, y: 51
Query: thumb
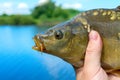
x: 93, y: 53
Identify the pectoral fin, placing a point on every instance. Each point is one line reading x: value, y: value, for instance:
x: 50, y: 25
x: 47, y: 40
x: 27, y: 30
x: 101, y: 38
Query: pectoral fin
x: 116, y: 73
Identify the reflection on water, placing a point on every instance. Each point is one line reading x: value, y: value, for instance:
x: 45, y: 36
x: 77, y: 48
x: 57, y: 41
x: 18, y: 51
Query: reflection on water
x: 19, y: 62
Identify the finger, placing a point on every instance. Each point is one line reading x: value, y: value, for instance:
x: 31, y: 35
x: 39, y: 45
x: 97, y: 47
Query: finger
x: 93, y: 52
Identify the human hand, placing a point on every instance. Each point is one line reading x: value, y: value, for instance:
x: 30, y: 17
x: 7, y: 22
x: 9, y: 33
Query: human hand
x: 92, y: 69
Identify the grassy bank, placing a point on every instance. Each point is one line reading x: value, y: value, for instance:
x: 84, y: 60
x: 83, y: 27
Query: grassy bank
x: 16, y: 20
x: 30, y: 20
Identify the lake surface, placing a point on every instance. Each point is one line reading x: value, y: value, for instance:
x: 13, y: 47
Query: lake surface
x: 19, y: 62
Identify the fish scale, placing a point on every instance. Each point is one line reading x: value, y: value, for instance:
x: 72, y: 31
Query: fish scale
x: 72, y: 38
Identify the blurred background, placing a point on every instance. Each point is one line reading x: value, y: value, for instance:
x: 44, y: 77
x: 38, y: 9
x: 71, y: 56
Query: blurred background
x: 20, y: 20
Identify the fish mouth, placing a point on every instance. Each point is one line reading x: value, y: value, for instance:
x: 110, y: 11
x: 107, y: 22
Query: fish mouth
x: 39, y: 46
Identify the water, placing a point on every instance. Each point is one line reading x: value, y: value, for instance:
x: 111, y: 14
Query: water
x: 19, y: 62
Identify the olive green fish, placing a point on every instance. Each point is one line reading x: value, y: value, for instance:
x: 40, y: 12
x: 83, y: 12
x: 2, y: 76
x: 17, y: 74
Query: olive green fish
x: 69, y: 40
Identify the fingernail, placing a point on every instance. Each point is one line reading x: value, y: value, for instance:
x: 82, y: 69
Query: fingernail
x: 93, y: 35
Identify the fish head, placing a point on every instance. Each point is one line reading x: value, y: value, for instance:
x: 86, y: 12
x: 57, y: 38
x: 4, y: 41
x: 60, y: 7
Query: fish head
x: 66, y: 40
x: 54, y: 40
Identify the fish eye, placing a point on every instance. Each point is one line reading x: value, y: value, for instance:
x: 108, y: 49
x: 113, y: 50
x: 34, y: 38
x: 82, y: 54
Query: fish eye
x: 58, y: 34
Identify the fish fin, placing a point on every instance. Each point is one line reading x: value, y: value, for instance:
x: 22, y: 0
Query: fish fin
x: 116, y: 73
x: 110, y: 70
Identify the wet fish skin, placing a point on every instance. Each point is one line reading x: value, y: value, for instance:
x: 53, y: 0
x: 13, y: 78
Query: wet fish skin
x: 71, y: 47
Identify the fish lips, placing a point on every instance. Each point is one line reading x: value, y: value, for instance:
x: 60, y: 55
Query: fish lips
x: 39, y: 46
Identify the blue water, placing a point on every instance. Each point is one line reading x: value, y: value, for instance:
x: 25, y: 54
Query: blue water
x: 19, y: 62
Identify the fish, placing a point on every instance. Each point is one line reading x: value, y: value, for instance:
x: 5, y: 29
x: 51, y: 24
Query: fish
x: 68, y: 40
